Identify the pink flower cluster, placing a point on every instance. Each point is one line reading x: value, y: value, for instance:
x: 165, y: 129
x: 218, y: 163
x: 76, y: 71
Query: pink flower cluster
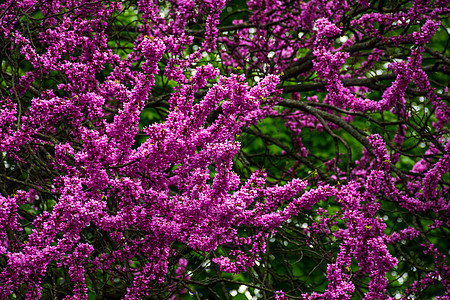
x: 108, y: 205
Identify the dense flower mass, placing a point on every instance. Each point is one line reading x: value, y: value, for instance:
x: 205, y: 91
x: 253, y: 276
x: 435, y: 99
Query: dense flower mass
x: 201, y: 149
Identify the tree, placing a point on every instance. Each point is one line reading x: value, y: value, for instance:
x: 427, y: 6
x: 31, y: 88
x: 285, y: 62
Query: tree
x: 220, y: 149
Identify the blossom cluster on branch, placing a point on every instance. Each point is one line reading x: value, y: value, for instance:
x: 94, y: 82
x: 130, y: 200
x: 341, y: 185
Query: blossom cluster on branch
x: 178, y: 149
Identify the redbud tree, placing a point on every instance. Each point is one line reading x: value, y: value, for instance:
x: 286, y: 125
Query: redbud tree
x: 218, y: 149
